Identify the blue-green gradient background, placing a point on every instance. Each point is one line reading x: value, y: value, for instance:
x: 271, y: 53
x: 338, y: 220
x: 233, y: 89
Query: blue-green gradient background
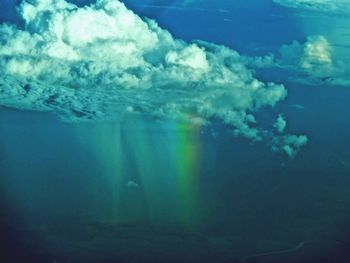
x: 55, y: 193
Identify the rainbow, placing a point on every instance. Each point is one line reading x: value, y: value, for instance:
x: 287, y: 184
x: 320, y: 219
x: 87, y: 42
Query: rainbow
x: 186, y: 164
x: 165, y: 159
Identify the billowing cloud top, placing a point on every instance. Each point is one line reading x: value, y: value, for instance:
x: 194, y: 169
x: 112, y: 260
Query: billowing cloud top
x: 328, y: 6
x: 101, y: 61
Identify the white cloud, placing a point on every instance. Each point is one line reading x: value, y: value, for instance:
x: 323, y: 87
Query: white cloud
x: 102, y: 61
x: 191, y: 56
x: 316, y: 60
x: 280, y: 124
x: 326, y: 6
x: 314, y: 56
x: 317, y: 54
x: 289, y: 144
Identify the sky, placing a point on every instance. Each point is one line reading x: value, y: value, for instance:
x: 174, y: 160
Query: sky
x: 110, y: 59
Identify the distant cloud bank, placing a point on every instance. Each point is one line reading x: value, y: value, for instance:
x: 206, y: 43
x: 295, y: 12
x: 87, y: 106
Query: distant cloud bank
x: 328, y: 6
x: 101, y: 61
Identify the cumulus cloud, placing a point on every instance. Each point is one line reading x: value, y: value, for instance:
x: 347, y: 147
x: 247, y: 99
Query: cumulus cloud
x: 280, y: 124
x: 101, y: 61
x: 325, y: 6
x: 289, y: 144
x: 315, y: 59
x: 317, y: 54
x: 314, y: 56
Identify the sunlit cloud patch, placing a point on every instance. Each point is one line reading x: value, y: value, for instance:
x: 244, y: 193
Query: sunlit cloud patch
x: 103, y: 61
x: 310, y: 62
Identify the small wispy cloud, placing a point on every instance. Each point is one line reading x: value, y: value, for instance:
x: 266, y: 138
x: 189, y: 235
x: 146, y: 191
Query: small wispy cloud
x: 187, y: 7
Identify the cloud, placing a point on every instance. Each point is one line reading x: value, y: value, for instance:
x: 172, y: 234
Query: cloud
x: 326, y: 6
x: 289, y: 144
x: 280, y: 124
x: 317, y: 54
x: 102, y: 61
x: 314, y: 56
x: 190, y: 5
x: 314, y: 60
